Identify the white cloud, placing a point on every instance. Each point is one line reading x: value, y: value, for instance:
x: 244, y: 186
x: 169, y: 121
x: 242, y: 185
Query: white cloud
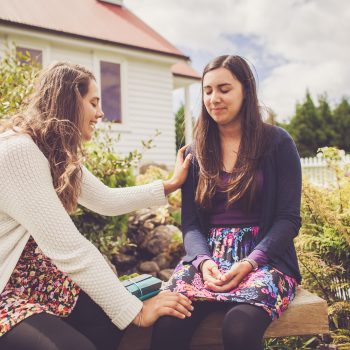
x: 295, y: 44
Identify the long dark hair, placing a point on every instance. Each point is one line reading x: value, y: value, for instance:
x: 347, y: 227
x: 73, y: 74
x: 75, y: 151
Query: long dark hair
x: 207, y: 141
x: 53, y: 119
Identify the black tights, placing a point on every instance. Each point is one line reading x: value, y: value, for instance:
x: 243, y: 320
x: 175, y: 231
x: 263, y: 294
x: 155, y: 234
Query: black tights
x: 243, y: 327
x: 86, y: 328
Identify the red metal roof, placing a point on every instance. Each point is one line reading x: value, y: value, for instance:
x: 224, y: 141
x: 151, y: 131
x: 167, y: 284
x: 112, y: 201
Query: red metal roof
x: 183, y: 69
x: 91, y: 19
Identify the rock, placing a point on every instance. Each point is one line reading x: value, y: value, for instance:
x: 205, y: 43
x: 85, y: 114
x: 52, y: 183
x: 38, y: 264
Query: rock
x: 144, y: 216
x: 165, y: 274
x: 149, y: 267
x: 124, y: 261
x: 163, y: 260
x: 160, y: 239
x: 138, y: 236
x: 148, y: 225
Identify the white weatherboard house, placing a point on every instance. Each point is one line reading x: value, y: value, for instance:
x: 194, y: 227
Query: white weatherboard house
x: 136, y: 68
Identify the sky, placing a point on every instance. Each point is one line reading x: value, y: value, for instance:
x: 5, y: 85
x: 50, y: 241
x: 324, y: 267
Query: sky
x: 293, y: 45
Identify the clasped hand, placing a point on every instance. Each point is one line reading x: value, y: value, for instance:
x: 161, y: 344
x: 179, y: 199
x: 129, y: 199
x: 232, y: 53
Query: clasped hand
x: 217, y: 281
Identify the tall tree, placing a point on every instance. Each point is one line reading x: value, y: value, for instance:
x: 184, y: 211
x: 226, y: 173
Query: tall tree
x: 341, y: 117
x: 307, y: 128
x: 315, y: 126
x: 180, y: 127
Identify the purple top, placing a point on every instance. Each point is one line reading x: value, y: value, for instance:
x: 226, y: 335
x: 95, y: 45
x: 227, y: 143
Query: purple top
x: 235, y: 215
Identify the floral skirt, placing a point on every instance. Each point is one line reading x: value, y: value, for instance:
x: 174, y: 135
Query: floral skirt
x: 36, y: 285
x: 267, y: 287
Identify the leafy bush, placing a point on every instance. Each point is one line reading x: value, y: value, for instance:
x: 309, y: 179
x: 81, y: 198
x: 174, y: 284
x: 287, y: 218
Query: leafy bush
x: 323, y: 244
x: 156, y: 173
x: 17, y: 75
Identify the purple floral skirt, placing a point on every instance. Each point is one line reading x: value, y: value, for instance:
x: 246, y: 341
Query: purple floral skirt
x: 267, y: 287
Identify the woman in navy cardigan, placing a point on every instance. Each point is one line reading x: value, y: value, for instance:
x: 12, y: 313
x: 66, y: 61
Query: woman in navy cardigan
x: 240, y: 214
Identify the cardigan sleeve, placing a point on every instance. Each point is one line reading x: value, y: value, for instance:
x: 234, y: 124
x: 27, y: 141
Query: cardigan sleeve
x: 28, y: 196
x: 104, y: 200
x: 287, y: 220
x: 194, y: 238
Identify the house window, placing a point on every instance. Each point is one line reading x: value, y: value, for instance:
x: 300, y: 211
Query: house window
x: 111, y: 91
x: 36, y: 56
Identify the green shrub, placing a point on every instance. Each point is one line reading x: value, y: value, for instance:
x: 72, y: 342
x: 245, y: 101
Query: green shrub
x: 156, y: 173
x: 17, y: 75
x: 323, y: 244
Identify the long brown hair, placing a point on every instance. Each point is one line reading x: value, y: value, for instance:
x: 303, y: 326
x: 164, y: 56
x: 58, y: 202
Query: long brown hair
x: 53, y: 119
x: 207, y: 145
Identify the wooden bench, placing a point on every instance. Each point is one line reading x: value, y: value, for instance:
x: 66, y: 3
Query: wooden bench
x: 307, y: 315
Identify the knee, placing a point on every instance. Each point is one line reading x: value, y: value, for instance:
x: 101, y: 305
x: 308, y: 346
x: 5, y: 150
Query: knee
x: 168, y: 334
x: 234, y: 325
x: 238, y: 329
x: 166, y: 327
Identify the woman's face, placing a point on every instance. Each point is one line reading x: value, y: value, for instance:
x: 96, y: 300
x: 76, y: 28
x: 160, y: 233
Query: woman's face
x: 222, y: 96
x: 91, y: 111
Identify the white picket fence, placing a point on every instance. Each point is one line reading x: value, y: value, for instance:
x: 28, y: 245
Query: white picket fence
x: 316, y: 171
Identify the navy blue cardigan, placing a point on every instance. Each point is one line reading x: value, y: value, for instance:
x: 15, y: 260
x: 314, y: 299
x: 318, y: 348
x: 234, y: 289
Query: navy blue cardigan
x: 280, y: 219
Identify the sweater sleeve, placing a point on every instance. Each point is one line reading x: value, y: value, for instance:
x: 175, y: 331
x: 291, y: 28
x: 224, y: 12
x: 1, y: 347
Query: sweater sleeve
x: 287, y: 220
x: 28, y: 196
x: 104, y: 200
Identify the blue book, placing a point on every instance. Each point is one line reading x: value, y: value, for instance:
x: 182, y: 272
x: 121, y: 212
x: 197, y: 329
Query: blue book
x: 144, y: 286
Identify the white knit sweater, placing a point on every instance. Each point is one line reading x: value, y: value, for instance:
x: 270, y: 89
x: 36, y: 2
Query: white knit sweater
x: 29, y: 206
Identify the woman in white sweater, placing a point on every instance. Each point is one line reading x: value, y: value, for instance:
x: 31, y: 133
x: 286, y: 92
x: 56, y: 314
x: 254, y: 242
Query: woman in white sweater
x: 56, y: 289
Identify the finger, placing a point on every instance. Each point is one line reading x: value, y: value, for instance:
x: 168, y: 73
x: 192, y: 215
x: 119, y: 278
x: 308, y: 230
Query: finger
x: 234, y: 271
x: 217, y: 282
x: 182, y: 309
x: 184, y: 301
x: 174, y: 304
x: 187, y: 161
x: 210, y: 278
x: 168, y: 311
x: 181, y: 152
x: 228, y: 275
x: 183, y: 149
x: 215, y: 272
x: 177, y: 298
x: 224, y: 288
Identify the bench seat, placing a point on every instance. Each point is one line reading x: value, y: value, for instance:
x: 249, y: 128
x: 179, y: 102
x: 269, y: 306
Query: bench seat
x: 307, y: 315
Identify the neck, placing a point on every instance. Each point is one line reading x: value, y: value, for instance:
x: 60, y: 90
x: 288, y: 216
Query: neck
x: 230, y: 131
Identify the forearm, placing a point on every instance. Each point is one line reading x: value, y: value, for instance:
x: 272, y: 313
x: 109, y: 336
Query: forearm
x: 169, y: 186
x: 118, y: 201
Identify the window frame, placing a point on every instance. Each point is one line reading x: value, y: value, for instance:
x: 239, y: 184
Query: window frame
x: 14, y: 41
x: 100, y: 57
x: 26, y: 48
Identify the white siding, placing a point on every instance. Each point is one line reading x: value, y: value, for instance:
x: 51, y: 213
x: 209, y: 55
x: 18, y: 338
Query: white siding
x: 74, y: 55
x: 147, y: 87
